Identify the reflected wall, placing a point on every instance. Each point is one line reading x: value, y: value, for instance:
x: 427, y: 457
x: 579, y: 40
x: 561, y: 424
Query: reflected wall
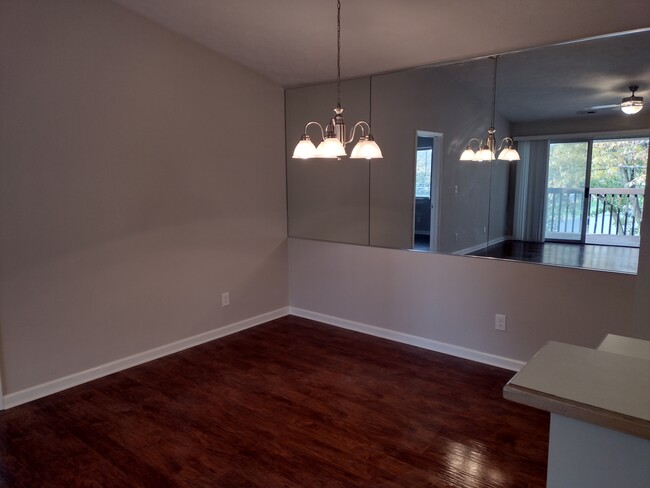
x: 542, y: 94
x: 454, y: 101
x: 327, y: 198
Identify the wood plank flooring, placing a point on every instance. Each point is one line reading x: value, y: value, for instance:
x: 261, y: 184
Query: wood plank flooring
x: 617, y: 259
x: 291, y: 403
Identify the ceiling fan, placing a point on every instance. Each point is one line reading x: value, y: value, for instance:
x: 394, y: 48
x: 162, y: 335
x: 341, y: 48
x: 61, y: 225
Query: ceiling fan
x: 629, y: 105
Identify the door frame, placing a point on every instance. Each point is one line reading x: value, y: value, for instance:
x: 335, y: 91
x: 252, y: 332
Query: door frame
x: 436, y: 158
x: 585, y: 195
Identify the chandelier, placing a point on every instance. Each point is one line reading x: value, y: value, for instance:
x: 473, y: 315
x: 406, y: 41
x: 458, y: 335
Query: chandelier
x: 487, y: 148
x: 334, y: 136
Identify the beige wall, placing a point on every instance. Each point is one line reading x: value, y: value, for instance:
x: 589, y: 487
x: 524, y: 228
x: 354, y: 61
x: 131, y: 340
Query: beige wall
x: 453, y: 299
x: 642, y: 296
x: 142, y: 176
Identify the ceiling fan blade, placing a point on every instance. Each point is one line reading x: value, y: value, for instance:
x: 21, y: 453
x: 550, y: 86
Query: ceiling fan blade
x: 596, y: 108
x: 604, y: 107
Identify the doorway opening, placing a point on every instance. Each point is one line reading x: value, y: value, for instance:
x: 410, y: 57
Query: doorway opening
x: 425, y: 206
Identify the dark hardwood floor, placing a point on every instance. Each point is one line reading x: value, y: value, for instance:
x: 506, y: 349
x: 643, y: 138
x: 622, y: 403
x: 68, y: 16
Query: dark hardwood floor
x: 291, y: 403
x: 618, y: 259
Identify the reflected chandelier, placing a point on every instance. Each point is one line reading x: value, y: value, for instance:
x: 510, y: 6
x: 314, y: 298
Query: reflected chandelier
x: 335, y: 135
x: 487, y: 148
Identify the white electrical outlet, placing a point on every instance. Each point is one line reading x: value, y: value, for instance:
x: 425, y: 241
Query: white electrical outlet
x: 500, y: 322
x: 225, y: 299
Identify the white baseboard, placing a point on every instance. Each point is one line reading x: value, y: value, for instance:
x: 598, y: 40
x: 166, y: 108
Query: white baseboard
x: 457, y: 351
x: 54, y: 386
x: 483, y: 245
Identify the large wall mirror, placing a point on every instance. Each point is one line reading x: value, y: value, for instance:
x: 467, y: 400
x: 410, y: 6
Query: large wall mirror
x: 575, y: 197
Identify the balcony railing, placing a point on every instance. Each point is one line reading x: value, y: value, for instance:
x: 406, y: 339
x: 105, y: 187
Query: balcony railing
x: 564, y: 210
x: 614, y: 212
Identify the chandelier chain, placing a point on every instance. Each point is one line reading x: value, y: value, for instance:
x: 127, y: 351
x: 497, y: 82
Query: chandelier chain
x: 494, y: 89
x: 338, y: 53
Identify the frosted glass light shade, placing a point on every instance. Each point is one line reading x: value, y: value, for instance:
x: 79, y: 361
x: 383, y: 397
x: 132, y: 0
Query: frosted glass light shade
x: 509, y: 154
x: 366, y: 148
x: 305, y: 149
x: 371, y: 150
x: 331, y: 147
x: 468, y: 154
x: 355, y: 150
x: 632, y: 106
x: 484, y: 155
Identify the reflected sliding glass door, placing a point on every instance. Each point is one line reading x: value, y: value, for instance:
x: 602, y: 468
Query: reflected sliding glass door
x: 616, y: 193
x: 595, y: 191
x: 568, y: 170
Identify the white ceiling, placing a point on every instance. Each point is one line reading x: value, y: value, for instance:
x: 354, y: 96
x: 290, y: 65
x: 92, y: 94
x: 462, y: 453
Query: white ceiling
x: 293, y: 42
x: 560, y: 82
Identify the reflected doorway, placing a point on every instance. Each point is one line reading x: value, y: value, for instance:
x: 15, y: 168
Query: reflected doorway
x: 425, y: 205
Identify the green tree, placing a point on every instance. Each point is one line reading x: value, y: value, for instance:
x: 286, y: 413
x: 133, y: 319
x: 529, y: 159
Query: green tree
x: 566, y: 165
x: 619, y: 163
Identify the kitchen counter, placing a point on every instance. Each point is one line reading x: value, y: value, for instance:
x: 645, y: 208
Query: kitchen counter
x: 599, y: 400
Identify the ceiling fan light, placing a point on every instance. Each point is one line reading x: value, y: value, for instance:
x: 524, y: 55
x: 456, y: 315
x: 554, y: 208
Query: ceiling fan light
x: 632, y: 105
x: 331, y: 147
x: 305, y: 149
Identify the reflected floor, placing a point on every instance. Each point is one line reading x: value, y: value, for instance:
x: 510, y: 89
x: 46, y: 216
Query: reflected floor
x: 604, y: 258
x: 421, y: 242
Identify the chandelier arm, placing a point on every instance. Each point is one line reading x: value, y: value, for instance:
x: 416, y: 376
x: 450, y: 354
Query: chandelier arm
x: 354, y: 129
x: 469, y: 143
x: 322, y: 132
x: 503, y: 142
